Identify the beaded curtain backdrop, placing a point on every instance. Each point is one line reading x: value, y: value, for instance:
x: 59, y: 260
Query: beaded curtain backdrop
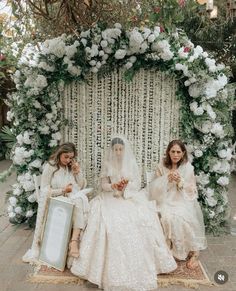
x: 145, y: 110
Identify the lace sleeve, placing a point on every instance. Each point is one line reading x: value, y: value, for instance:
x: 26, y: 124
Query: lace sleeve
x: 46, y: 181
x: 106, y: 184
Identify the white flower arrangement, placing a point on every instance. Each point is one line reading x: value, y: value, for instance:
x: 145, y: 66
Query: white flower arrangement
x: 35, y: 109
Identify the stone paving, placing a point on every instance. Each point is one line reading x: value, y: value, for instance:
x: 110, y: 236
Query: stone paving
x: 15, y: 240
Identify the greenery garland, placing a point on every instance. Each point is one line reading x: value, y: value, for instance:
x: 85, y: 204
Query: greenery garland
x: 205, y: 116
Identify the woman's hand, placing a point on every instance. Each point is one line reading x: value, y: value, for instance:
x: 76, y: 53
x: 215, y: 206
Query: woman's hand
x: 122, y: 184
x: 176, y: 177
x: 75, y: 167
x: 67, y: 189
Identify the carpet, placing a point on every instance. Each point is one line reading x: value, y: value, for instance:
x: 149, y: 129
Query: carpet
x: 181, y: 276
x: 186, y: 277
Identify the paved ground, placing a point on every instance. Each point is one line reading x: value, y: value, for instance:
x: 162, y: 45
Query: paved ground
x: 15, y: 240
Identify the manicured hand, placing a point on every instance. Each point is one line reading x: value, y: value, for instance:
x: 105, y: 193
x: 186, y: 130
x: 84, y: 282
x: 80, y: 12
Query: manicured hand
x: 75, y: 167
x: 67, y: 189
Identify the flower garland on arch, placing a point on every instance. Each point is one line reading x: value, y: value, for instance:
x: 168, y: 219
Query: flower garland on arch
x: 205, y: 117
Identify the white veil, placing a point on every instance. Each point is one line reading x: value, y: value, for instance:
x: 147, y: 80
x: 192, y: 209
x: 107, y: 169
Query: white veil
x: 125, y: 167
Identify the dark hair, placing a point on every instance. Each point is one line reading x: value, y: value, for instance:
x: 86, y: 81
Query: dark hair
x: 116, y: 140
x: 167, y: 160
x: 54, y: 159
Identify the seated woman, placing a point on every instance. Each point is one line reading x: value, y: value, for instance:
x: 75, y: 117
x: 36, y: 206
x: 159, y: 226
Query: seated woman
x: 123, y: 246
x: 175, y: 191
x: 61, y: 175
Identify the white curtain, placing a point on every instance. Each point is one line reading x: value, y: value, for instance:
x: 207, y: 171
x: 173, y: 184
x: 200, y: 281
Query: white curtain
x: 145, y: 110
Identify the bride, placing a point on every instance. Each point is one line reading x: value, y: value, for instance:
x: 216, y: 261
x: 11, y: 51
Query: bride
x: 123, y: 246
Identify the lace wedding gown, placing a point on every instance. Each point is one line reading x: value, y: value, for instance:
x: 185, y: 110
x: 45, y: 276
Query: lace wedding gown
x: 123, y: 246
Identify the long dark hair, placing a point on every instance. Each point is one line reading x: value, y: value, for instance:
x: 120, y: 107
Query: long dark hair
x: 54, y: 159
x: 167, y: 160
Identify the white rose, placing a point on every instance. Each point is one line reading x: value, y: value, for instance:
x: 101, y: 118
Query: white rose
x: 198, y: 153
x: 13, y: 201
x: 223, y: 181
x: 18, y: 210
x: 29, y: 213
x: 120, y: 54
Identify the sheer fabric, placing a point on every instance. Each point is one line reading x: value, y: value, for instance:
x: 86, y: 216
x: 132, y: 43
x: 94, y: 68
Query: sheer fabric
x: 123, y: 246
x: 181, y: 215
x: 53, y: 182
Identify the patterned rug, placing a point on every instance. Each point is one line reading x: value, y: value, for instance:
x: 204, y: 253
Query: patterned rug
x: 181, y: 276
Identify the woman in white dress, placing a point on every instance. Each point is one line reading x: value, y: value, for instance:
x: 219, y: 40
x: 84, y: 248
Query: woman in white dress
x: 61, y: 176
x: 123, y: 246
x: 175, y: 192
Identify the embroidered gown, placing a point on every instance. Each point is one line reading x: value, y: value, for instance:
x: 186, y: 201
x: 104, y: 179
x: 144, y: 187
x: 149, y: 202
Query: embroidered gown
x: 181, y: 215
x: 123, y: 246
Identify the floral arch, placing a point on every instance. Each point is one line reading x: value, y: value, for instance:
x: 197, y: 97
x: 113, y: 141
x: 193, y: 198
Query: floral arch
x: 36, y: 112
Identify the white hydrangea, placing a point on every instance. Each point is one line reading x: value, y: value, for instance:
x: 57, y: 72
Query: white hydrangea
x: 120, y: 54
x: 223, y: 181
x: 21, y: 154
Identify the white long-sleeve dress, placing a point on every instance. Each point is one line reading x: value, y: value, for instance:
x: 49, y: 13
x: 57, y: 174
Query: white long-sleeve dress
x: 123, y: 246
x: 53, y: 181
x: 181, y: 215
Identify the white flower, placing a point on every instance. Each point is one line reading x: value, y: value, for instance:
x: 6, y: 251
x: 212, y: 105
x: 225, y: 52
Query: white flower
x: 222, y: 154
x: 211, y: 213
x: 74, y: 70
x: 135, y: 40
x: 195, y: 90
x: 11, y: 214
x: 37, y: 105
x: 10, y: 115
x: 18, y: 210
x: 203, y: 178
x: 9, y: 208
x: 17, y: 191
x: 182, y: 53
x: 211, y: 63
x: 198, y: 153
x: 198, y: 111
x: 211, y: 201
x: 118, y: 25
x: 29, y: 213
x: 206, y: 126
x: 209, y: 192
x: 32, y: 198
x: 120, y: 54
x: 36, y: 163
x: 13, y: 201
x: 218, y: 130
x: 128, y: 65
x: 223, y: 181
x: 71, y: 50
x: 104, y: 43
x: 44, y: 129
x: 151, y: 38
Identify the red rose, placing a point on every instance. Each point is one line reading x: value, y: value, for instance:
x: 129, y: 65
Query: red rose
x: 186, y: 49
x: 2, y: 57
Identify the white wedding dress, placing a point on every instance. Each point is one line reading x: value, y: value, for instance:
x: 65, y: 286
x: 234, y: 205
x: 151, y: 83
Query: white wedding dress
x: 123, y: 246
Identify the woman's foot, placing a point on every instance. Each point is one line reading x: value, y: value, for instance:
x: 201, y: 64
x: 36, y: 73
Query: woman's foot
x: 192, y: 262
x: 74, y: 248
